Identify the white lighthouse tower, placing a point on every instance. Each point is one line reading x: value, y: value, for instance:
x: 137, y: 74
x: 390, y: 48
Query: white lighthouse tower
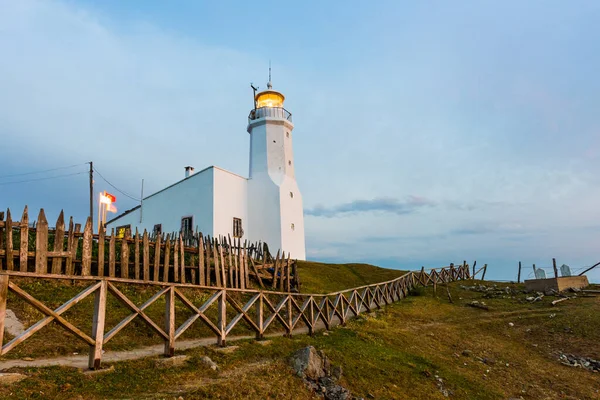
x: 275, y: 213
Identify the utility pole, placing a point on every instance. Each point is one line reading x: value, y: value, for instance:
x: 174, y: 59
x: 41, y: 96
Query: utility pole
x: 92, y: 192
x: 142, y: 202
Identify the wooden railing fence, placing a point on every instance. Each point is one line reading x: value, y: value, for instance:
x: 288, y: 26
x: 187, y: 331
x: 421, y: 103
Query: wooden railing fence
x: 211, y: 261
x: 259, y: 310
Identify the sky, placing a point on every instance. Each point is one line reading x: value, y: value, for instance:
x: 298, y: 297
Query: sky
x: 425, y: 132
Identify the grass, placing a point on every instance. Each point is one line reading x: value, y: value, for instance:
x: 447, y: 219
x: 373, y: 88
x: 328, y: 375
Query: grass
x: 326, y: 278
x: 397, y: 352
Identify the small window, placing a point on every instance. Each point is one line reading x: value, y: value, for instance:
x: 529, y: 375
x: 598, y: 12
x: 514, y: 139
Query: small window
x: 157, y: 230
x: 290, y: 163
x: 186, y: 227
x: 238, y: 232
x: 287, y: 134
x: 292, y: 195
x: 293, y: 227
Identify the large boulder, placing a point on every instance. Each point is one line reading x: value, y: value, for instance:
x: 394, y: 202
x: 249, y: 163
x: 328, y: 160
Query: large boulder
x: 309, y: 364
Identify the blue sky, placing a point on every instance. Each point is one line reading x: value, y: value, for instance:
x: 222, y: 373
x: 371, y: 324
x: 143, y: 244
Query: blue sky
x: 426, y: 133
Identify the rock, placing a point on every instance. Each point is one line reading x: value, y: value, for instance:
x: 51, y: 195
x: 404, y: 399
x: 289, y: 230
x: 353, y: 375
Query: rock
x: 27, y: 359
x: 264, y: 342
x: 489, y: 361
x: 336, y: 373
x: 325, y: 333
x: 467, y: 353
x: 10, y: 378
x: 169, y: 362
x: 332, y: 390
x: 12, y: 325
x: 209, y: 363
x: 227, y: 350
x: 308, y: 363
x: 511, y: 324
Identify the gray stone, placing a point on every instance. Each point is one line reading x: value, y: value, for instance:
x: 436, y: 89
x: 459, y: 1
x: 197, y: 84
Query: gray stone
x: 307, y: 362
x: 264, y: 342
x: 169, y: 362
x: 209, y: 363
x: 467, y: 353
x: 12, y: 324
x: 7, y: 378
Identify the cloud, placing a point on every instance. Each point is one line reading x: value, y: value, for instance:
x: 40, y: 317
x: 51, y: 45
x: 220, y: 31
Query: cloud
x: 387, y: 205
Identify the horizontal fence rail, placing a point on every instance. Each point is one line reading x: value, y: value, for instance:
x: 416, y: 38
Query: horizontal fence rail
x: 175, y: 257
x: 221, y: 312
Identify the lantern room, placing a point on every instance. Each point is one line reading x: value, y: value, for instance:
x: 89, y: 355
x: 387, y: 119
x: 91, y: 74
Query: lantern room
x: 269, y: 98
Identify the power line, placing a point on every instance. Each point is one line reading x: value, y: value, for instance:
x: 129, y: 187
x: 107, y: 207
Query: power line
x: 114, y: 187
x: 43, y: 179
x: 40, y: 172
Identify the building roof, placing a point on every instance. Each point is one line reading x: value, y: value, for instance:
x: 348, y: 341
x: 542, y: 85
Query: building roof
x: 170, y: 186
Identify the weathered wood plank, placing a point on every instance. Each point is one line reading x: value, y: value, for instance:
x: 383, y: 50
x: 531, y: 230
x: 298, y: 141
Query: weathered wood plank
x: 282, y: 273
x: 41, y: 244
x: 288, y: 286
x: 59, y: 242
x: 156, y: 258
x: 222, y: 262
x: 125, y: 255
x: 201, y: 277
x: 167, y: 261
x: 170, y: 320
x: 86, y: 253
x: 101, y: 246
x: 8, y: 249
x: 23, y: 251
x: 95, y: 355
x: 1, y: 237
x: 146, y: 256
x: 217, y: 267
x: 3, y: 298
x: 181, y: 260
x: 275, y: 271
x: 69, y: 264
x: 112, y: 255
x: 136, y: 255
x: 222, y: 322
x: 176, y: 259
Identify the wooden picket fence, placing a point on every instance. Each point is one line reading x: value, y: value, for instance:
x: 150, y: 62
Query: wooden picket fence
x: 211, y: 261
x: 259, y: 310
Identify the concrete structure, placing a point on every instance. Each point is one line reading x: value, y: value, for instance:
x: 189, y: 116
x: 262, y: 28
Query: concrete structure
x: 266, y: 206
x: 559, y: 284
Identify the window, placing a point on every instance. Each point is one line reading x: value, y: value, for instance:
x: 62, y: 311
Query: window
x: 121, y: 230
x: 293, y: 227
x: 186, y: 227
x: 238, y: 232
x: 287, y: 134
x: 290, y: 163
x: 157, y: 230
x: 292, y: 195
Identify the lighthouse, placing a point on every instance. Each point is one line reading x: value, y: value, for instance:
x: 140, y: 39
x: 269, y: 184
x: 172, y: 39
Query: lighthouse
x: 264, y: 207
x: 275, y: 212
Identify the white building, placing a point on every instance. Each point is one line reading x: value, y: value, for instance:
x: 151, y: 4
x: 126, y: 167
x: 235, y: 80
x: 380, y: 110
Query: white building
x: 266, y: 206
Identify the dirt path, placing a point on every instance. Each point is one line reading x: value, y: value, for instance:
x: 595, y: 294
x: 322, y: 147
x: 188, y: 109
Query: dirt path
x: 81, y: 361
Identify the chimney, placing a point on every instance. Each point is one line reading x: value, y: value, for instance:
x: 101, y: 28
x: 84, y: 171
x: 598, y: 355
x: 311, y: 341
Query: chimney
x: 189, y: 171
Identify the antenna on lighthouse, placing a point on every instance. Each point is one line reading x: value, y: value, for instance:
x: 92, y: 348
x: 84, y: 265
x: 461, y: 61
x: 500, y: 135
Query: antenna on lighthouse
x: 269, y: 85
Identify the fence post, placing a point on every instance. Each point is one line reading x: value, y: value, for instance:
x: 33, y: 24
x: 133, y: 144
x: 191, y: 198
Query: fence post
x: 98, y: 326
x: 3, y: 295
x: 170, y: 322
x: 41, y: 244
x: 474, y: 264
x: 259, y: 317
x: 484, y: 271
x: 519, y: 276
x: 222, y: 323
x: 554, y: 266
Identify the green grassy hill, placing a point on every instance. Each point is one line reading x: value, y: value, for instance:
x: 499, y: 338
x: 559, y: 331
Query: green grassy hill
x: 414, y: 349
x: 327, y: 278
